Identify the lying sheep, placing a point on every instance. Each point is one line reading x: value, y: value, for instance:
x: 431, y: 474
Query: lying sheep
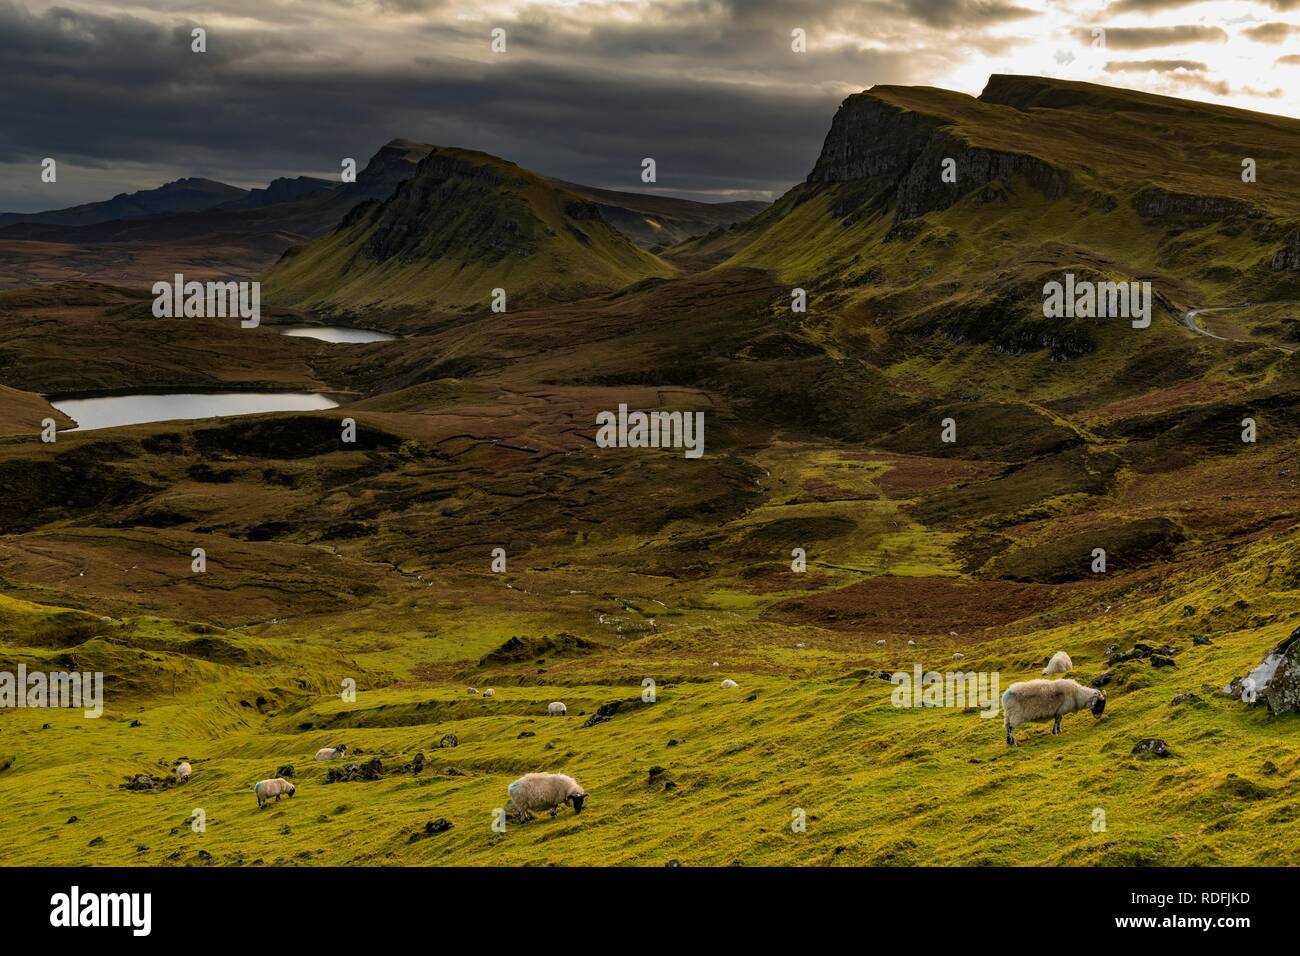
x: 729, y: 683
x: 183, y: 772
x: 556, y: 708
x: 275, y: 787
x: 543, y: 791
x: 1059, y: 664
x: 332, y: 753
x: 1040, y: 699
x: 472, y: 690
x: 489, y: 692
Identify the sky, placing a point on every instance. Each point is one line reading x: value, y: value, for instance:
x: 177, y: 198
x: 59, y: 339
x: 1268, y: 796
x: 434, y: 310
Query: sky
x: 585, y: 89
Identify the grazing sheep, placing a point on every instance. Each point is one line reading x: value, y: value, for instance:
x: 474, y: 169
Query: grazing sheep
x: 880, y: 643
x: 183, y: 772
x: 473, y: 690
x: 489, y: 692
x: 275, y: 787
x: 1059, y: 664
x: 556, y: 708
x: 543, y: 791
x: 1047, y: 700
x: 958, y: 656
x: 729, y: 683
x: 332, y: 753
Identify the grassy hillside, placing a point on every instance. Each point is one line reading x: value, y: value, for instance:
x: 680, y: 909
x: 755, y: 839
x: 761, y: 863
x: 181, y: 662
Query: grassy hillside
x: 467, y: 223
x: 371, y: 562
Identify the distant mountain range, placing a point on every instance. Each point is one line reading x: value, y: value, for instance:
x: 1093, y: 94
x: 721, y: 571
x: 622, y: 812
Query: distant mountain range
x: 246, y: 230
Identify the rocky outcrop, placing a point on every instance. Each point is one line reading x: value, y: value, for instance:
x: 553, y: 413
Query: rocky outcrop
x: 1276, y: 680
x: 1287, y: 259
x: 899, y: 154
x: 1160, y: 204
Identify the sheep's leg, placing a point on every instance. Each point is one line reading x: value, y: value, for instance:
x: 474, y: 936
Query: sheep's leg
x: 1056, y: 724
x: 554, y: 811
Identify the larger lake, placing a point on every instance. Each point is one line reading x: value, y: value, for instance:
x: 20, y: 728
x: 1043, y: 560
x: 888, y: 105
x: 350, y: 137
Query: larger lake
x: 114, y: 410
x: 338, y: 333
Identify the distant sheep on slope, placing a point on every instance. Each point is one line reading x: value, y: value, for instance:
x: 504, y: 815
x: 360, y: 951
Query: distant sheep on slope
x: 543, y: 791
x: 729, y: 683
x: 556, y: 708
x: 1059, y: 664
x: 275, y: 787
x: 489, y: 692
x: 332, y: 753
x: 1037, y: 700
x: 183, y: 772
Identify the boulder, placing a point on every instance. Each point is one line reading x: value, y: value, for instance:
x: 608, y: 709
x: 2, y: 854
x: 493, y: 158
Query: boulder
x: 1153, y: 746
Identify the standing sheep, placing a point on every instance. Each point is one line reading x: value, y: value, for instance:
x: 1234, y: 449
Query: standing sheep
x: 275, y: 787
x: 556, y: 708
x: 1047, y: 700
x: 729, y: 683
x: 183, y: 772
x: 332, y: 753
x: 543, y: 791
x: 1059, y: 664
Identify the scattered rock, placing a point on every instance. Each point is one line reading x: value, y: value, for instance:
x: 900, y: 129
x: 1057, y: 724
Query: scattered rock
x: 451, y: 772
x: 1200, y: 640
x: 1160, y: 660
x: 525, y: 733
x: 1188, y: 698
x: 675, y: 741
x: 285, y: 771
x: 1189, y: 611
x: 1153, y: 746
x: 417, y: 765
x: 72, y: 819
x: 448, y: 740
x: 1269, y: 767
x: 372, y: 769
x: 134, y: 723
x: 97, y: 841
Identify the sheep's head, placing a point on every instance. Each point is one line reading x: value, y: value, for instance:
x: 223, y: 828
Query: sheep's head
x: 1099, y: 704
x: 342, y: 748
x: 576, y: 800
x: 292, y: 789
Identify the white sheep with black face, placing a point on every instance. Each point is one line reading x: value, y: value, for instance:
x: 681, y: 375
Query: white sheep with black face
x: 183, y: 772
x: 556, y: 708
x: 1037, y: 700
x: 276, y: 787
x: 332, y: 753
x: 543, y: 791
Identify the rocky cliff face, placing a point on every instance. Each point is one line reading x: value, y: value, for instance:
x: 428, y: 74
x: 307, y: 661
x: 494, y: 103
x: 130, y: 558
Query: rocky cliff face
x: 1287, y: 259
x: 900, y: 153
x: 1160, y: 204
x: 452, y: 207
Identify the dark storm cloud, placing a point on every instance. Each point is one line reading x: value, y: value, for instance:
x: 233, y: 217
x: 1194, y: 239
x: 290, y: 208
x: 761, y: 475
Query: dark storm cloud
x: 1271, y: 32
x: 1139, y: 38
x: 1157, y: 66
x: 98, y: 90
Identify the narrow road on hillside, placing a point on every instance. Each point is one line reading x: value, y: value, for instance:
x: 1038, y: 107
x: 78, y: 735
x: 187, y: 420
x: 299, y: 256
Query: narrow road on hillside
x: 1189, y: 320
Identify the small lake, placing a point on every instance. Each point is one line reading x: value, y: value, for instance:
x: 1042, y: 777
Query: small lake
x: 338, y: 333
x: 114, y: 410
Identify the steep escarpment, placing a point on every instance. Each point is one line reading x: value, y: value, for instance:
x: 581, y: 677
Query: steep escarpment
x: 919, y: 162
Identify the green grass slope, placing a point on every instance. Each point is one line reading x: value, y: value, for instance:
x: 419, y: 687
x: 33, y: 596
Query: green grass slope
x: 465, y: 224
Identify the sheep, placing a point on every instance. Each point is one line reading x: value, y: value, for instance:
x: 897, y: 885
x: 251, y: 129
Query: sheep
x: 275, y: 787
x: 489, y: 692
x: 556, y: 708
x: 1059, y: 664
x: 183, y: 772
x: 472, y: 690
x: 543, y: 791
x: 1047, y: 700
x: 729, y: 683
x: 332, y: 753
